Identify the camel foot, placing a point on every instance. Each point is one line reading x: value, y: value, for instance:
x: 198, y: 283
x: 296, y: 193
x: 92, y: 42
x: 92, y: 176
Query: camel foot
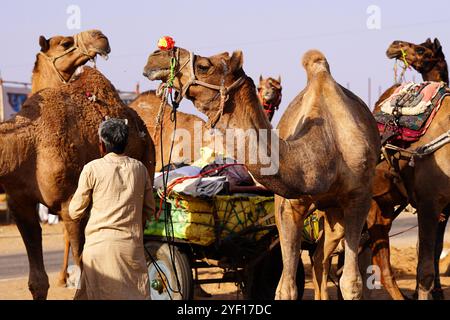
x: 62, y: 282
x: 423, y: 294
x: 287, y: 290
x: 39, y: 292
x: 351, y: 289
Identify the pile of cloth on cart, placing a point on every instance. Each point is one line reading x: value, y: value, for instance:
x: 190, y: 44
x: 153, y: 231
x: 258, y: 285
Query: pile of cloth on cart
x: 211, y: 175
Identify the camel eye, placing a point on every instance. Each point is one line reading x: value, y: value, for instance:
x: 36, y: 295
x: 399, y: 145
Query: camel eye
x: 420, y: 50
x: 66, y: 44
x: 202, y: 68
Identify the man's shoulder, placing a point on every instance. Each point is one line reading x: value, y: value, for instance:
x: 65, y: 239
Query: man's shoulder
x: 136, y: 163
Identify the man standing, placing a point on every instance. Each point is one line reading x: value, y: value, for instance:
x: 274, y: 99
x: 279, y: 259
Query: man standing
x: 116, y: 192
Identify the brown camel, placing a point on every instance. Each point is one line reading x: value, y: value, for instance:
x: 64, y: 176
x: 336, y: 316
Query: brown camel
x: 55, y: 65
x: 44, y: 148
x: 147, y: 106
x: 269, y: 94
x: 328, y: 157
x: 428, y: 59
x: 60, y: 57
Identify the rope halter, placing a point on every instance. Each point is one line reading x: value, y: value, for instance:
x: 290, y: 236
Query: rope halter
x: 78, y: 44
x: 222, y: 91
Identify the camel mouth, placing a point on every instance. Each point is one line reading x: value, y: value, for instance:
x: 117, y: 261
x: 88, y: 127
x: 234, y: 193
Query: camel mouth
x: 157, y: 74
x: 104, y: 55
x: 393, y: 53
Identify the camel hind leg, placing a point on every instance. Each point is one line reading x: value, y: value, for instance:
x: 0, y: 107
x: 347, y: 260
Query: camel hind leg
x: 428, y: 215
x: 63, y: 273
x: 437, y: 292
x: 379, y: 225
x: 332, y: 235
x: 27, y: 220
x: 289, y: 215
x: 355, y: 211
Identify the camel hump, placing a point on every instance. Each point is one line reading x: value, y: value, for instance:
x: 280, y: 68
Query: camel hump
x: 314, y: 62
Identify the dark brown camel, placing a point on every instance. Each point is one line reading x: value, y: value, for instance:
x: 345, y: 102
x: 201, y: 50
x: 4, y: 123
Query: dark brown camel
x: 429, y: 60
x: 44, y: 148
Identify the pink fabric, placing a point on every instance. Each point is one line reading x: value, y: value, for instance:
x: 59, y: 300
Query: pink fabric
x: 428, y: 92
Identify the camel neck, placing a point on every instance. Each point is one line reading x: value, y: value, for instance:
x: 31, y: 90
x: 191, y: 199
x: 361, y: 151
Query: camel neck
x: 44, y: 75
x: 243, y: 111
x: 438, y: 73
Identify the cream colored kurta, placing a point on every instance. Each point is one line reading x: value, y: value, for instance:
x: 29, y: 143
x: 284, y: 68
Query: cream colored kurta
x: 119, y: 190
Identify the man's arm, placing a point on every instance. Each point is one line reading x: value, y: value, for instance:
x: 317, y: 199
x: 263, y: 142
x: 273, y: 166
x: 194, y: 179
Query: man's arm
x: 149, y: 200
x: 82, y: 197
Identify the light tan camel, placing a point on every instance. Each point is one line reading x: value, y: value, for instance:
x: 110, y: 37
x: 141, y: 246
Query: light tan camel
x: 328, y: 156
x: 55, y: 65
x: 43, y: 150
x: 269, y: 94
x: 147, y: 106
x: 428, y: 59
x: 60, y: 57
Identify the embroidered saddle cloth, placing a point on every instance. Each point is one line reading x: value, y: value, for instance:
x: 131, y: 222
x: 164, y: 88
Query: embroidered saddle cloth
x: 410, y: 109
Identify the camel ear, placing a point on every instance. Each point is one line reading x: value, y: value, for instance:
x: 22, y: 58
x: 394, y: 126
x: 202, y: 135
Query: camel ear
x: 236, y: 61
x: 44, y: 43
x: 437, y: 44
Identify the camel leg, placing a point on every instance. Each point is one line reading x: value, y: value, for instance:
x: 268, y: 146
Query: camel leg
x: 73, y: 234
x: 380, y: 222
x: 437, y: 291
x: 355, y: 214
x: 289, y: 215
x: 27, y: 221
x: 428, y: 216
x: 333, y: 233
x: 63, y: 273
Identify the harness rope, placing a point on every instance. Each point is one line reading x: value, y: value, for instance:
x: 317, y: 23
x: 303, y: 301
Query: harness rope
x: 223, y: 91
x: 78, y: 44
x: 405, y: 66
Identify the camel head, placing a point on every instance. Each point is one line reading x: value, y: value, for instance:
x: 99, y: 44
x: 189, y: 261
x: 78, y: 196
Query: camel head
x: 269, y: 91
x: 422, y: 57
x: 206, y: 81
x: 66, y: 53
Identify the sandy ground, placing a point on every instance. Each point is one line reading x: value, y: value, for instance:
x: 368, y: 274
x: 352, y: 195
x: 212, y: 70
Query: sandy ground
x: 14, y: 265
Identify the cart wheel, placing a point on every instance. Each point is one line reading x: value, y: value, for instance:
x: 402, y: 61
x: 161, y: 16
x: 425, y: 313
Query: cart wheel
x: 162, y: 275
x: 262, y: 280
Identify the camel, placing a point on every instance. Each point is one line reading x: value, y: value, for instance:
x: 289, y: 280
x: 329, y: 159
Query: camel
x: 327, y: 158
x: 269, y: 94
x: 147, y: 106
x: 56, y: 63
x: 44, y: 148
x: 60, y: 57
x: 428, y: 59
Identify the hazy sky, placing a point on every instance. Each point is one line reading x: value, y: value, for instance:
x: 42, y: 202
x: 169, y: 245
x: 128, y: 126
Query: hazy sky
x: 273, y: 35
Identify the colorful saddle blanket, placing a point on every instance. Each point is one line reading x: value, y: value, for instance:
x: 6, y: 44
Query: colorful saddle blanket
x: 410, y: 109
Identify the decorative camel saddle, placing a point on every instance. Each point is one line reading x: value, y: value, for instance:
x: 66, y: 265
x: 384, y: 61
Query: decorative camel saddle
x: 408, y: 112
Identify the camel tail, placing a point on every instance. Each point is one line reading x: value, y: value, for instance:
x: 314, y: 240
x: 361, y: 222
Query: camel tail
x: 315, y: 62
